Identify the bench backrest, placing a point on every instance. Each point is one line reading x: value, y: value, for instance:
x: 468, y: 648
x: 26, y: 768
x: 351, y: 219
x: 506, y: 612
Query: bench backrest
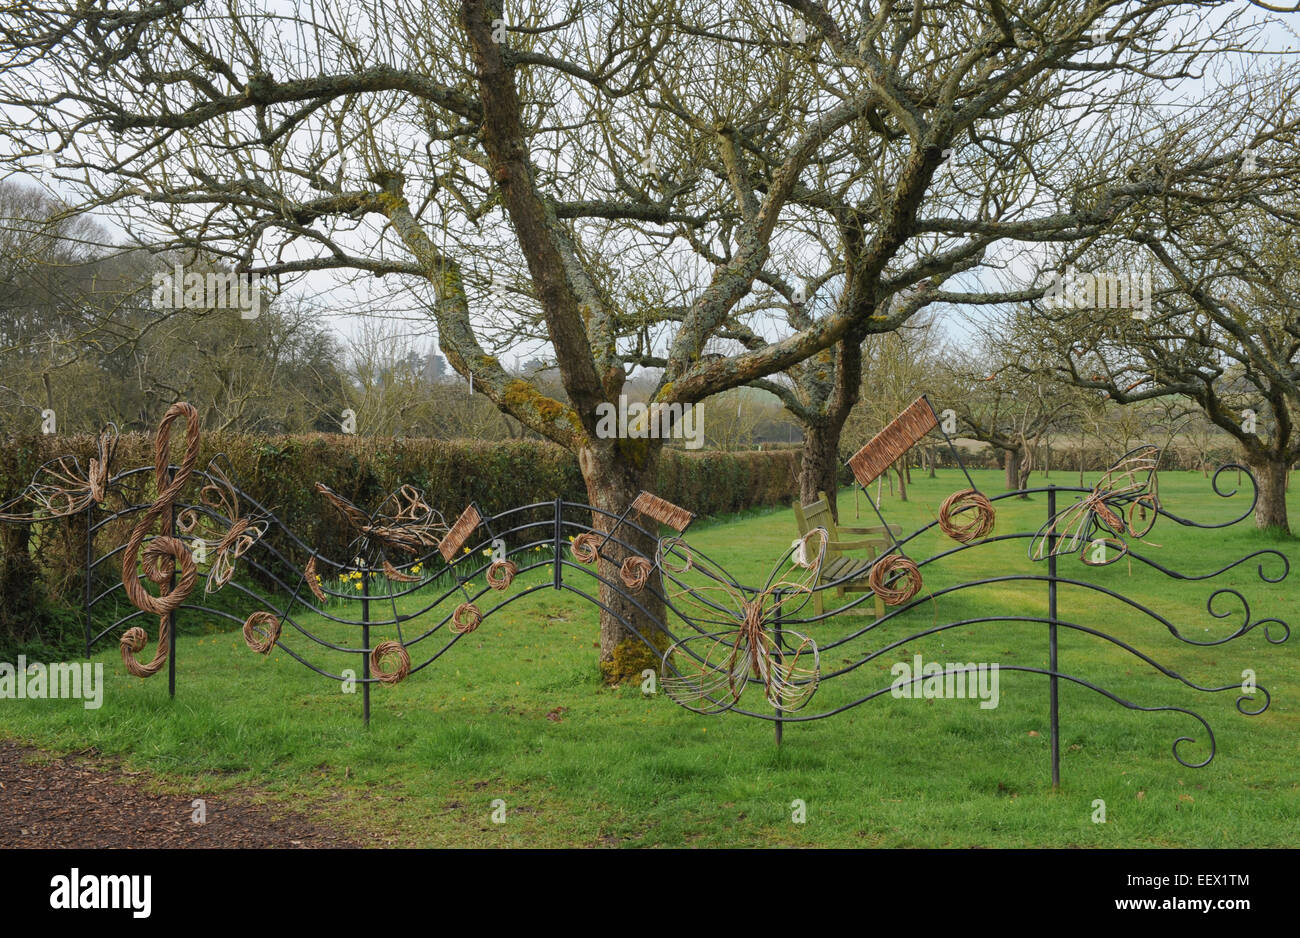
x: 817, y: 515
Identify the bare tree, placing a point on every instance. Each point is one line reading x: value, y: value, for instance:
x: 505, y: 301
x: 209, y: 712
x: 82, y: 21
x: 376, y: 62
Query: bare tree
x: 612, y: 181
x: 80, y: 335
x: 1011, y: 412
x: 1221, y: 327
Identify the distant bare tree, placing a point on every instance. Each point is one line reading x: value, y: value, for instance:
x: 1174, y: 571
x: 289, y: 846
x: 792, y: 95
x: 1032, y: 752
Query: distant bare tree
x: 1222, y: 325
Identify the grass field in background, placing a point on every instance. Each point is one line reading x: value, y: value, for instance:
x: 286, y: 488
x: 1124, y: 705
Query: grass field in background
x: 516, y: 711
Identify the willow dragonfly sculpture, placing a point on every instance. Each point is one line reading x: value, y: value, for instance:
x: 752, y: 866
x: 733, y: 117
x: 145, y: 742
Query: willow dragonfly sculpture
x: 409, y: 587
x: 752, y: 646
x: 1123, y: 504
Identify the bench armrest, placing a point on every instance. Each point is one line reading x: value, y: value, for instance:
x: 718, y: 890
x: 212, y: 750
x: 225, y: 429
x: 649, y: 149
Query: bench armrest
x: 854, y: 545
x: 877, y: 529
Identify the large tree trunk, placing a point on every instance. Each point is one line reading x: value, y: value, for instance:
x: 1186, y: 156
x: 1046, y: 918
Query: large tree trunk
x: 1270, y: 475
x: 1026, y: 468
x: 820, y: 464
x: 1011, y: 461
x: 615, y: 472
x: 820, y: 467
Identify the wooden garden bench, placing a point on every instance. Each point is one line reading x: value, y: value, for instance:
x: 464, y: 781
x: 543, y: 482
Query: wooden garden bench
x: 839, y: 563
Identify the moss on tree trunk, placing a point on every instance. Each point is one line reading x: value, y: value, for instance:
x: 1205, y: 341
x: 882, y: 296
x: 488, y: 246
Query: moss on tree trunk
x: 615, y: 472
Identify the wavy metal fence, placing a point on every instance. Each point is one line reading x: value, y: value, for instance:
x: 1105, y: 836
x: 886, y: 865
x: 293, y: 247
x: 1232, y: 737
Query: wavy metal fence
x: 730, y: 646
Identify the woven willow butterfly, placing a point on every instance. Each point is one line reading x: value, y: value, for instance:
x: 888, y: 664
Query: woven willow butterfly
x: 741, y: 641
x: 62, y: 488
x: 1131, y: 482
x: 403, y: 522
x: 216, y: 525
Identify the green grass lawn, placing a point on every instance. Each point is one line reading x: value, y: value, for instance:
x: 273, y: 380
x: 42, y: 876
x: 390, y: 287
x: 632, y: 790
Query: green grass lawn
x: 516, y: 711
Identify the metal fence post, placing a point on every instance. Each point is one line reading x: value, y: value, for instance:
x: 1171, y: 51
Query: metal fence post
x: 365, y: 643
x: 779, y: 638
x: 1054, y: 683
x: 559, y: 539
x: 90, y: 560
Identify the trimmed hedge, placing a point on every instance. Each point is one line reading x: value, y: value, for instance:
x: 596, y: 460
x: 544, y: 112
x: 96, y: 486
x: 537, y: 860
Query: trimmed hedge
x: 281, y: 473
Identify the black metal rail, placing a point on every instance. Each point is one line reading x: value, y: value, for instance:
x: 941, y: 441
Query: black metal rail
x: 275, y: 581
